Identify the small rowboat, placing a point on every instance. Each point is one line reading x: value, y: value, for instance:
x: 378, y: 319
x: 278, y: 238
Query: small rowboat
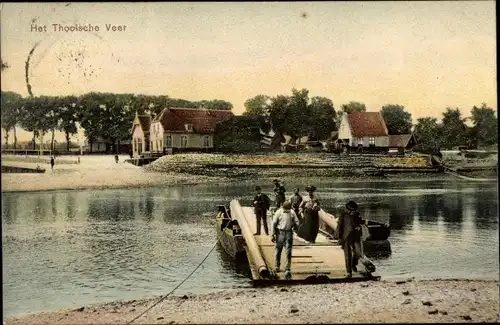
x: 378, y: 231
x: 232, y: 239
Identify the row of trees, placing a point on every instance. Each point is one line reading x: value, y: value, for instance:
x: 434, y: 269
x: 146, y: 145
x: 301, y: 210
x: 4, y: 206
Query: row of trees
x: 104, y: 115
x: 453, y: 131
x: 299, y: 116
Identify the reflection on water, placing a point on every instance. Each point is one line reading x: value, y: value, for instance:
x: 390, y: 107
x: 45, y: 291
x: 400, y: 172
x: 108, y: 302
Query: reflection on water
x: 70, y: 248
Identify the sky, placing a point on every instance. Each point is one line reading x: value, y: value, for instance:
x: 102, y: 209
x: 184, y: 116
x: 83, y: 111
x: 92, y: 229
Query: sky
x: 425, y: 56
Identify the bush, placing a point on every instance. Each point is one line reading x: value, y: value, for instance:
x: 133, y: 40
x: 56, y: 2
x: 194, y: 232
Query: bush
x: 238, y: 146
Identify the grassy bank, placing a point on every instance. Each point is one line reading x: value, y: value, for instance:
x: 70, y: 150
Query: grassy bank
x: 454, y: 301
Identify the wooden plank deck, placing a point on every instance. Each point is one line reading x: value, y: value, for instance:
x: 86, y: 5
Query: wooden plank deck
x: 309, y: 261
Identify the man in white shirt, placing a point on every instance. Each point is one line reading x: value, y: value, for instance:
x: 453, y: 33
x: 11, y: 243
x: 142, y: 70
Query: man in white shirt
x: 284, y: 222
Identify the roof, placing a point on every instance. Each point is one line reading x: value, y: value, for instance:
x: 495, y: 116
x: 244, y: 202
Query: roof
x: 203, y: 120
x: 367, y: 124
x: 145, y: 121
x: 400, y: 140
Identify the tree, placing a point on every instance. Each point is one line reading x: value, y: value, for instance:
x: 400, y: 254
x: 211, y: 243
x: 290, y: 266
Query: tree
x: 91, y: 115
x: 397, y: 120
x: 214, y: 104
x: 11, y: 106
x: 257, y: 106
x: 453, y: 128
x: 238, y: 134
x: 68, y: 115
x: 323, y: 118
x: 291, y: 115
x: 298, y: 116
x: 485, y: 129
x: 427, y: 133
x: 36, y: 116
x: 353, y: 107
x: 277, y: 113
x: 349, y: 108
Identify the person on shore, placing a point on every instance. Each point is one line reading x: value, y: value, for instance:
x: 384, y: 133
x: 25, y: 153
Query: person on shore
x: 261, y: 204
x: 296, y: 200
x: 284, y: 222
x: 349, y: 230
x: 52, y: 162
x: 116, y: 159
x: 78, y: 159
x: 309, y: 210
x: 279, y: 191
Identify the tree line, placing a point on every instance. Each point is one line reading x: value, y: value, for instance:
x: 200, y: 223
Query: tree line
x: 102, y: 115
x: 298, y: 115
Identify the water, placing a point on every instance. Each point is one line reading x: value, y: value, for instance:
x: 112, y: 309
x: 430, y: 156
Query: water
x: 64, y: 249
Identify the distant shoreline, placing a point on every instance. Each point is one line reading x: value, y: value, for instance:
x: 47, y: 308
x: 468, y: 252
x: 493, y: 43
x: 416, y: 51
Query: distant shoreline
x: 101, y: 172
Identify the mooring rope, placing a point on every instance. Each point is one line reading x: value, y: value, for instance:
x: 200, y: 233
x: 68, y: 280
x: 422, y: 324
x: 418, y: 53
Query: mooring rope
x: 185, y: 279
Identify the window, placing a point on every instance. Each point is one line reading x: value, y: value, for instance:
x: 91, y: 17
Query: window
x: 189, y: 127
x: 168, y: 141
x: 184, y: 141
x: 151, y: 144
x: 206, y: 141
x: 135, y: 144
x: 372, y: 141
x: 360, y: 141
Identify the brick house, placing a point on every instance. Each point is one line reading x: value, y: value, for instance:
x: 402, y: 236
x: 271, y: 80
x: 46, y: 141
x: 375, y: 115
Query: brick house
x: 185, y: 129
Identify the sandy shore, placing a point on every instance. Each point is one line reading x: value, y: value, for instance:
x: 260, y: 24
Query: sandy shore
x: 453, y: 301
x: 94, y: 172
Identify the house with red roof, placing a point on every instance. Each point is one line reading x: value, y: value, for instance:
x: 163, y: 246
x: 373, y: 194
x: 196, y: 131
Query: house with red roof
x: 367, y: 130
x: 363, y: 130
x: 185, y: 129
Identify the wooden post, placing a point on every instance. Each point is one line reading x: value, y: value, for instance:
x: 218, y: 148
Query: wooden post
x: 252, y: 247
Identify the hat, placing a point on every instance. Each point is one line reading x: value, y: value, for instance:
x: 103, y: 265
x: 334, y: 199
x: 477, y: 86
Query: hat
x: 276, y: 181
x: 351, y: 205
x: 310, y: 188
x: 257, y: 188
x: 287, y: 205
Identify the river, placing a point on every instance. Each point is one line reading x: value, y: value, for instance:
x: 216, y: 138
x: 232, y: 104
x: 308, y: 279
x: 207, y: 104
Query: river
x: 65, y: 249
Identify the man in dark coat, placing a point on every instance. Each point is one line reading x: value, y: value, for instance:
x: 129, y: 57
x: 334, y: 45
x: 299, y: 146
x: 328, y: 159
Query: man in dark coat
x: 280, y: 191
x: 261, y: 203
x: 349, y: 230
x: 296, y: 200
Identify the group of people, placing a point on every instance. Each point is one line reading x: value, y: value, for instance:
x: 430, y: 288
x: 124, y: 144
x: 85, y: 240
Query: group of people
x: 301, y: 214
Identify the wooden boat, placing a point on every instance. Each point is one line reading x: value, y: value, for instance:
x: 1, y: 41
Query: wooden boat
x: 232, y: 239
x: 233, y: 242
x: 378, y: 231
x: 319, y: 262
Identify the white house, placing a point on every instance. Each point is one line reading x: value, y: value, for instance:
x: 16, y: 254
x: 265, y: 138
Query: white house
x: 363, y: 129
x: 140, y: 134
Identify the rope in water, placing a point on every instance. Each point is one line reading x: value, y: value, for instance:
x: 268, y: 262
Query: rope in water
x: 185, y: 279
